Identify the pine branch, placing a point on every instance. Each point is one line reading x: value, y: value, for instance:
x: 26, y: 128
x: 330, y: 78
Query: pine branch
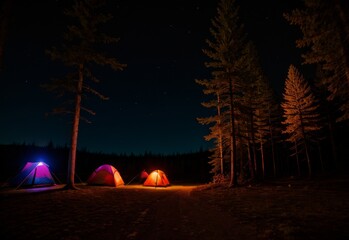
x: 91, y: 90
x: 88, y: 110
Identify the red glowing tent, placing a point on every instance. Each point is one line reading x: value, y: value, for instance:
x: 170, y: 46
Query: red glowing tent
x: 157, y: 178
x: 105, y: 175
x: 33, y: 174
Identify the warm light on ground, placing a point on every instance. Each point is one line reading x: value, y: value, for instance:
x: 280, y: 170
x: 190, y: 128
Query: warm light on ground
x: 84, y: 186
x: 168, y: 188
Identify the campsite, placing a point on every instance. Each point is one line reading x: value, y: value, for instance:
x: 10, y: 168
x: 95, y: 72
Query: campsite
x: 174, y: 120
x: 284, y: 209
x: 108, y: 205
x: 118, y: 197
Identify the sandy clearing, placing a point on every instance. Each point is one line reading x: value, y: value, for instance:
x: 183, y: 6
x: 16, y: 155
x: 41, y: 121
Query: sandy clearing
x: 128, y: 212
x: 282, y: 210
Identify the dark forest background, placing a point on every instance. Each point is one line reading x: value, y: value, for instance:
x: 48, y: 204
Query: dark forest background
x: 179, y: 167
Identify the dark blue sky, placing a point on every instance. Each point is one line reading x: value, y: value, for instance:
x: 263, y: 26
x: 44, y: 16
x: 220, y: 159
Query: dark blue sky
x: 154, y: 102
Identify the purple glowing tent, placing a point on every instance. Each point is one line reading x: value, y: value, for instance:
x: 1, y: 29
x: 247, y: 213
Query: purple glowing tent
x: 33, y: 174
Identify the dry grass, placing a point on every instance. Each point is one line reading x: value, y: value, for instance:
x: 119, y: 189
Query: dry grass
x: 289, y: 209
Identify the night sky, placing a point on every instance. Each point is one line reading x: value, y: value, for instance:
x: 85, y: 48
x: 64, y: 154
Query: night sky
x: 155, y: 101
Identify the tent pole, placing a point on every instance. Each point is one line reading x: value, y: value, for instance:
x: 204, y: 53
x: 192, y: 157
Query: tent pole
x: 132, y: 179
x: 25, y: 178
x: 78, y: 177
x: 157, y: 175
x: 33, y: 181
x: 56, y: 178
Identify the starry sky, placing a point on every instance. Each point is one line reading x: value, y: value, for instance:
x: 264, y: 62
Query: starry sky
x: 154, y: 101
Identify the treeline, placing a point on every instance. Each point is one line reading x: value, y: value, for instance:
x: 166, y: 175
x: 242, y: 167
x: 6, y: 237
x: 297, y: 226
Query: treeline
x: 180, y: 167
x: 255, y: 133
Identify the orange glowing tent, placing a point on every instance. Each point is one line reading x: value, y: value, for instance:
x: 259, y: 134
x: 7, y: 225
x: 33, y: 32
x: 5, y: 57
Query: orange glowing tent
x: 157, y: 178
x: 105, y: 175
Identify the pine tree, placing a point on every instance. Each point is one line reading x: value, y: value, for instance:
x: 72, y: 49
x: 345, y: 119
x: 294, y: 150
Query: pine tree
x: 327, y: 110
x: 274, y: 113
x: 216, y: 131
x: 325, y: 28
x: 225, y: 52
x: 5, y: 13
x: 300, y: 112
x: 80, y: 51
x: 247, y: 106
x: 258, y: 109
x: 267, y: 121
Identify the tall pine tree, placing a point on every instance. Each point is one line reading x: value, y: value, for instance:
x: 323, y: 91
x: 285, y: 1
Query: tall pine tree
x: 216, y: 130
x: 5, y: 14
x: 300, y: 112
x: 325, y: 28
x: 81, y: 50
x: 225, y: 51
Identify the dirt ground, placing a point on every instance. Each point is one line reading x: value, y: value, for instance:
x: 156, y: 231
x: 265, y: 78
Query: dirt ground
x: 288, y: 209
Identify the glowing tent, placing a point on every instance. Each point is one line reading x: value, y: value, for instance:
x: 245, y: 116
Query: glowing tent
x: 33, y: 174
x: 105, y: 175
x: 157, y: 178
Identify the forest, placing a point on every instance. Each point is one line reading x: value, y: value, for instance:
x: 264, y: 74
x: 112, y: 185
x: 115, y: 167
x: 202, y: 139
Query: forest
x: 258, y: 134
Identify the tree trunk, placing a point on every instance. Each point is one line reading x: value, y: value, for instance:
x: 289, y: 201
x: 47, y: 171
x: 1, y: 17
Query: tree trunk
x: 297, y: 158
x: 233, y: 177
x: 6, y: 11
x: 250, y: 163
x: 220, y: 142
x: 253, y: 144
x: 272, y: 142
x: 308, y: 158
x: 220, y: 137
x: 241, y: 157
x: 241, y: 151
x: 262, y: 158
x: 305, y: 144
x: 332, y: 139
x: 249, y: 158
x: 320, y: 156
x: 75, y: 130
